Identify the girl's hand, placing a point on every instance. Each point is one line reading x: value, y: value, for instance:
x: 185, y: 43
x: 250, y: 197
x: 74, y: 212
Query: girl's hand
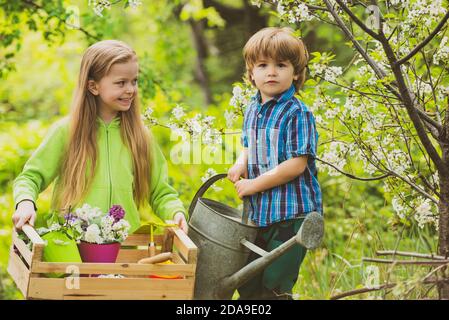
x: 245, y: 187
x: 180, y: 220
x: 238, y: 170
x: 25, y: 213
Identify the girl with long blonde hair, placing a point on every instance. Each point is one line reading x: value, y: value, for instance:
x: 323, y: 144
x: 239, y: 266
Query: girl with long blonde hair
x: 101, y: 154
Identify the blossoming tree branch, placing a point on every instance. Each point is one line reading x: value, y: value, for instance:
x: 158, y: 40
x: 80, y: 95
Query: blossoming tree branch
x: 386, y: 109
x: 392, y: 115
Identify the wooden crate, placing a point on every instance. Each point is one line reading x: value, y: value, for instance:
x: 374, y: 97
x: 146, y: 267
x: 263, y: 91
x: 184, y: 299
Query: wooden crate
x: 28, y: 270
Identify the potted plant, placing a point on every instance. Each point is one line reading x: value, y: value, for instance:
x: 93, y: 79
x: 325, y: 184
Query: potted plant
x: 98, y: 234
x: 60, y: 245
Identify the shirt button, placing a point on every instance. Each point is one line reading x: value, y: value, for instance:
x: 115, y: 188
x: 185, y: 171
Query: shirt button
x: 259, y: 116
x: 257, y: 141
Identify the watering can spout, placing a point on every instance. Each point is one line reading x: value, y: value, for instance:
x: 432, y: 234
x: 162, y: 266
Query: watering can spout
x: 309, y: 235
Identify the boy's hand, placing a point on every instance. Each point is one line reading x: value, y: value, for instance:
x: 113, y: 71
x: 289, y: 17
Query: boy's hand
x: 238, y: 170
x: 245, y: 187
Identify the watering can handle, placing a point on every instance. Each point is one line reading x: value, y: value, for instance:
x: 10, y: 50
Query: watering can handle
x: 206, y: 185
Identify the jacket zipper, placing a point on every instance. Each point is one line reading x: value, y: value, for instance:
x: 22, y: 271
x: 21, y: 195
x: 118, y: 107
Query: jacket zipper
x: 109, y: 167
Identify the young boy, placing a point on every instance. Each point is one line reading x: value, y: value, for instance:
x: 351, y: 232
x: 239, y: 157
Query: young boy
x: 278, y: 159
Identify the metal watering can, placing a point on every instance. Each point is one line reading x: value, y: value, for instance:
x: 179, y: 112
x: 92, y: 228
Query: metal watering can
x: 225, y: 240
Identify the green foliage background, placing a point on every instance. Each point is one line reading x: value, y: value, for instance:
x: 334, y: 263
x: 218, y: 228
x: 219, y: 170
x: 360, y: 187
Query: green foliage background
x: 359, y: 218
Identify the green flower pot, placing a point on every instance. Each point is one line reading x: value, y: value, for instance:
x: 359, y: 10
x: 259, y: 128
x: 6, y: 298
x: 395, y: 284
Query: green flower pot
x: 60, y: 248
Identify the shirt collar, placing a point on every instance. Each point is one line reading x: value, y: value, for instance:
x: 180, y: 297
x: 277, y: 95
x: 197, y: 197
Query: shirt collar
x: 284, y: 96
x: 115, y: 123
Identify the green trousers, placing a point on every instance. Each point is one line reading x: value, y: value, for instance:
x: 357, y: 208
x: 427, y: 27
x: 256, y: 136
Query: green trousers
x: 278, y: 279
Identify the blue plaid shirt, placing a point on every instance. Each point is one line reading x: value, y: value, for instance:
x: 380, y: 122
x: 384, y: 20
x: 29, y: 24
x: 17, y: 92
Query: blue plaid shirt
x: 274, y: 132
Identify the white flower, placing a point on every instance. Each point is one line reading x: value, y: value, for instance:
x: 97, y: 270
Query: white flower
x: 208, y: 120
x: 194, y: 125
x: 353, y: 109
x: 210, y: 173
x: 331, y: 113
x: 178, y: 112
x: 148, y: 116
x: 302, y: 12
x: 237, y: 91
x: 106, y: 228
x: 230, y: 118
x: 331, y: 73
x: 317, y: 69
x: 148, y: 112
x: 423, y: 213
x: 400, y: 209
x: 121, y: 225
x: 211, y: 137
x: 335, y: 156
x: 93, y: 234
x: 297, y: 13
x: 281, y: 9
x: 134, y: 3
x: 256, y: 3
x: 86, y: 212
x: 399, y: 2
x: 442, y: 53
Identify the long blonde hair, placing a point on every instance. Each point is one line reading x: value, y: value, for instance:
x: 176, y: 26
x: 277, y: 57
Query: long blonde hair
x: 80, y: 159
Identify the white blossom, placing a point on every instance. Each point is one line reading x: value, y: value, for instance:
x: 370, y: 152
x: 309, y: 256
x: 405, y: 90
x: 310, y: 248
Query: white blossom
x: 178, y: 112
x: 442, y: 53
x: 209, y: 174
x: 134, y: 3
x: 256, y: 3
x: 335, y: 155
x: 230, y: 118
x: 331, y: 113
x: 424, y: 214
x: 398, y: 206
x: 99, y: 6
x: 93, y: 234
x: 86, y: 212
x: 332, y: 73
x: 297, y: 13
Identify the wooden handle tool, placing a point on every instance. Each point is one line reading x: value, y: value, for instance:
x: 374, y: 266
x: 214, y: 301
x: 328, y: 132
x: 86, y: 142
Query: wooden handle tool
x: 161, y: 257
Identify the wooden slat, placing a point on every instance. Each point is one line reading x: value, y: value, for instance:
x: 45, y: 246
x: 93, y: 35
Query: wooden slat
x: 141, y: 240
x: 115, y: 268
x: 177, y: 259
x: 134, y: 289
x: 45, y: 288
x: 167, y: 242
x: 22, y: 247
x: 18, y: 272
x: 131, y: 255
x: 185, y: 246
x: 32, y: 234
x: 118, y: 289
x: 38, y: 251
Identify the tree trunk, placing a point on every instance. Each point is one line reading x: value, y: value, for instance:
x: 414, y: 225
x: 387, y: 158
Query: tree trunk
x: 443, y: 233
x: 201, y: 74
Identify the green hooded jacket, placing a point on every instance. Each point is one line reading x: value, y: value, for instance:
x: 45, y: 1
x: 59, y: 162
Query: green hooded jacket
x: 113, y: 180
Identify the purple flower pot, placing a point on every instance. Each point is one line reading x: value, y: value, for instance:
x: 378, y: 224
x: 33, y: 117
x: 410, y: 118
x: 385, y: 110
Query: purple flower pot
x: 102, y: 253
